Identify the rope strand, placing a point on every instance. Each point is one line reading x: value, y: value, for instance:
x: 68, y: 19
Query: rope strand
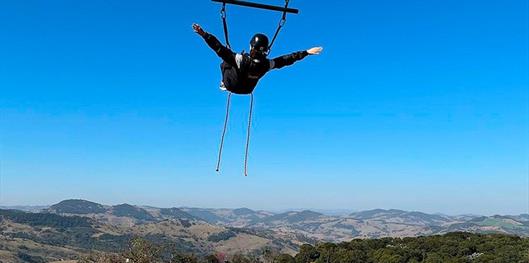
x: 224, y: 131
x: 225, y: 25
x: 280, y: 25
x: 248, y: 136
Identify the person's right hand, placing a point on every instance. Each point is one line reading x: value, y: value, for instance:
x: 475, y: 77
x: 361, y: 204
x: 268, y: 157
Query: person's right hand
x: 198, y: 29
x: 314, y: 50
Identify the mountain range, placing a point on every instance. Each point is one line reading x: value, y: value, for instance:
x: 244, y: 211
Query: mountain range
x: 75, y: 227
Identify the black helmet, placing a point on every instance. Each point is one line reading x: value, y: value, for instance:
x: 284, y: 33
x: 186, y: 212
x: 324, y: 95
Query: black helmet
x: 259, y: 43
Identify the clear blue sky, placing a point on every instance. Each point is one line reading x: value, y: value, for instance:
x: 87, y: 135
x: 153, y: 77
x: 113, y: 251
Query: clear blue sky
x: 416, y: 105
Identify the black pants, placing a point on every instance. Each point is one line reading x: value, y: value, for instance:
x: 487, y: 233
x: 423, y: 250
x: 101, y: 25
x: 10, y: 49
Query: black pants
x: 232, y: 80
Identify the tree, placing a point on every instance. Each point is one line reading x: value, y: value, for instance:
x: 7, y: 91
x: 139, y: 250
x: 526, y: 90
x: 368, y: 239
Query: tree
x: 284, y: 258
x: 307, y: 254
x: 212, y: 259
x: 239, y: 258
x: 142, y: 251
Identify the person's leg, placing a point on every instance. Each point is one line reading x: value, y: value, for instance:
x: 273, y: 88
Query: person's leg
x: 229, y: 77
x: 222, y: 70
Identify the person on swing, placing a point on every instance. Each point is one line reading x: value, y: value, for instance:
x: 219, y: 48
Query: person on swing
x: 241, y: 72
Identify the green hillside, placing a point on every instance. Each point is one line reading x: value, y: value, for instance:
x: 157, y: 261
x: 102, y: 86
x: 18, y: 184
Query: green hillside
x: 449, y: 248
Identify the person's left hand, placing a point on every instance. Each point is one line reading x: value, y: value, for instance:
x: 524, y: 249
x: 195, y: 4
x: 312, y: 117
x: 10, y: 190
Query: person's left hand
x: 314, y: 50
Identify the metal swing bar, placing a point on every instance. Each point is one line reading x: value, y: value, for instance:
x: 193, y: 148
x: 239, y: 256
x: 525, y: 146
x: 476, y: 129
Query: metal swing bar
x: 258, y: 5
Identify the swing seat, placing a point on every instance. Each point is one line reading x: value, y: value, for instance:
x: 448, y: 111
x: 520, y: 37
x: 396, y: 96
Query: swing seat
x: 258, y: 5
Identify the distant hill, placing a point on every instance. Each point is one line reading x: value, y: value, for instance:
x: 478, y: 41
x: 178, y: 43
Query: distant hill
x: 523, y: 217
x: 44, y: 219
x: 293, y: 217
x: 77, y: 206
x: 243, y: 211
x: 126, y: 210
x: 205, y: 215
x: 399, y: 216
x: 494, y: 224
x: 26, y: 208
x: 239, y: 217
x: 175, y: 213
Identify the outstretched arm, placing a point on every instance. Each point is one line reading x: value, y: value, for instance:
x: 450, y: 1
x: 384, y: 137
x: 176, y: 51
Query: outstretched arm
x: 223, y: 52
x: 287, y: 60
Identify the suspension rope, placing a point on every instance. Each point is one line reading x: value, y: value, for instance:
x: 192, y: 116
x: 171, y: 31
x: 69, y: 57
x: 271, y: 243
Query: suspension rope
x: 248, y: 136
x: 225, y: 25
x: 280, y: 25
x: 224, y: 131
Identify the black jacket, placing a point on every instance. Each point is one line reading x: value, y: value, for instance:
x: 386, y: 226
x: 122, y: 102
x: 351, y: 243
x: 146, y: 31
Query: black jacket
x: 240, y: 72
